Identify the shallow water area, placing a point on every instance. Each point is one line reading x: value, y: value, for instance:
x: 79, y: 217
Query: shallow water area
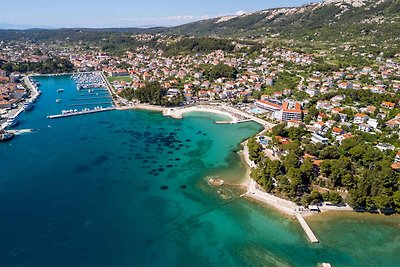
x: 130, y: 188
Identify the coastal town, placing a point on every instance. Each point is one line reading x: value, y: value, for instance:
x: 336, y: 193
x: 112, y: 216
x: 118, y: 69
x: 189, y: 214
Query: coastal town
x: 217, y: 133
x: 288, y: 92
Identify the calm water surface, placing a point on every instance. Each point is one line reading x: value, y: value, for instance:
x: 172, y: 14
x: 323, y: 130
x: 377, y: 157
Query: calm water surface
x: 129, y: 188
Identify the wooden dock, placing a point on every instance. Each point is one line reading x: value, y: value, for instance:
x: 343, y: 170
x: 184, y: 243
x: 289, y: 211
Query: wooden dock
x: 307, y: 229
x: 83, y: 112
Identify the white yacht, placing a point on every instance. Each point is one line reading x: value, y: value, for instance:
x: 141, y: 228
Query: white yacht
x: 27, y: 106
x: 12, y: 121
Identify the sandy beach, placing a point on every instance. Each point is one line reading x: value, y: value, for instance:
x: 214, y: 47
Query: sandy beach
x: 178, y: 113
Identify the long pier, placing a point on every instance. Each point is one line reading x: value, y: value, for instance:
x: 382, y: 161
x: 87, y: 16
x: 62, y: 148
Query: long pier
x: 102, y: 89
x: 110, y: 89
x: 21, y: 131
x: 83, y: 112
x: 307, y: 229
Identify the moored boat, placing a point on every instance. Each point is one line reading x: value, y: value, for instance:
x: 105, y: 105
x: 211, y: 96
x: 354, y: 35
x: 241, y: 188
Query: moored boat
x: 27, y: 106
x: 12, y: 121
x: 58, y: 100
x: 5, y: 136
x: 60, y: 90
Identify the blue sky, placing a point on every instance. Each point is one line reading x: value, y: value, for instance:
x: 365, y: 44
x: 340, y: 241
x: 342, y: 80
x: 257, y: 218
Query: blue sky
x: 126, y: 13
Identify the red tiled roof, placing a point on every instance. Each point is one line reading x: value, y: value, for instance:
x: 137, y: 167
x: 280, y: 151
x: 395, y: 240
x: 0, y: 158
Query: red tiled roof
x: 269, y: 103
x: 297, y: 107
x: 337, y: 130
x: 360, y: 115
x: 396, y: 166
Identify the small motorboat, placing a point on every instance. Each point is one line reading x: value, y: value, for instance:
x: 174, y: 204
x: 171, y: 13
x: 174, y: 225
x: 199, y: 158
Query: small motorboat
x: 5, y: 136
x: 27, y: 106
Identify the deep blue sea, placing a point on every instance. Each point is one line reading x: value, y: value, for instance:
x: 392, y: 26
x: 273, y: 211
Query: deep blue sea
x: 130, y: 188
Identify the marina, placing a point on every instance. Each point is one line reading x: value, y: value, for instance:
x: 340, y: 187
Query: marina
x: 88, y: 80
x: 90, y: 90
x: 92, y: 95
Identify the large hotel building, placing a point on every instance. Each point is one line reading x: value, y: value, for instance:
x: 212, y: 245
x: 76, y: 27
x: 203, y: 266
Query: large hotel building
x: 285, y: 111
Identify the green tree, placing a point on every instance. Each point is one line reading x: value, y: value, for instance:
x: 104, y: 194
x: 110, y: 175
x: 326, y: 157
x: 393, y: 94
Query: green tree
x: 291, y: 161
x: 255, y: 150
x: 220, y: 71
x: 396, y: 200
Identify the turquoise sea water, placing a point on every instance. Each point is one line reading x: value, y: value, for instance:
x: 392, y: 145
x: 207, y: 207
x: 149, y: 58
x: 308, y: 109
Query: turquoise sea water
x: 129, y: 188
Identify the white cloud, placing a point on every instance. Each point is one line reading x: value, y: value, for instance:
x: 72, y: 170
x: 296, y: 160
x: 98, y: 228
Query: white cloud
x: 168, y: 18
x: 171, y: 20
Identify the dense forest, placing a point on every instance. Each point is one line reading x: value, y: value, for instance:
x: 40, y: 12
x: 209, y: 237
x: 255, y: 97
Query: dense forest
x: 151, y: 93
x: 196, y: 45
x: 214, y: 72
x: 49, y: 66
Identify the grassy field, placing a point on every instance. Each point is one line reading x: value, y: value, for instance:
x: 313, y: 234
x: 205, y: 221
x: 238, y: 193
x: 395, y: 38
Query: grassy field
x: 120, y: 79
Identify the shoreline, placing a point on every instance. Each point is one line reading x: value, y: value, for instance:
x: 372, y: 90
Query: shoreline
x: 33, y: 95
x: 236, y: 115
x: 177, y: 113
x: 287, y: 207
x: 253, y: 191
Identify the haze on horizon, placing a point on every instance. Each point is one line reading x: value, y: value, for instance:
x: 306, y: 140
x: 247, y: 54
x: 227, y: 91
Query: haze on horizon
x: 125, y: 13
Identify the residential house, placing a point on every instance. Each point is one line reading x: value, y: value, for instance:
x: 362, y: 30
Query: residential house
x: 336, y: 131
x: 373, y: 123
x: 317, y: 138
x: 397, y: 158
x: 364, y: 127
x: 388, y: 105
x: 360, y: 118
x: 342, y: 137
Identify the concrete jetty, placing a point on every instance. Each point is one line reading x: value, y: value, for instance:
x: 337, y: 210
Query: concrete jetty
x: 83, y: 112
x: 21, y: 131
x: 110, y: 88
x: 306, y: 228
x: 285, y: 206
